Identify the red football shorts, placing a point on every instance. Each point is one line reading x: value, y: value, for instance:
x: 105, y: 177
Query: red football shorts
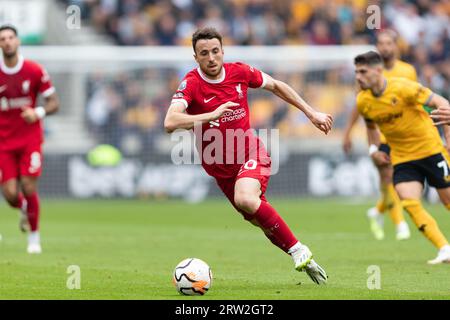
x: 256, y: 169
x: 26, y: 161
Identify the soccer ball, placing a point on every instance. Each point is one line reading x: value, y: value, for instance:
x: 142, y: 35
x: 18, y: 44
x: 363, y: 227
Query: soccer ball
x: 192, y: 277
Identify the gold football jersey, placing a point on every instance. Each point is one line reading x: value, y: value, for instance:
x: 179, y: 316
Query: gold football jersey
x: 399, y: 70
x: 399, y: 114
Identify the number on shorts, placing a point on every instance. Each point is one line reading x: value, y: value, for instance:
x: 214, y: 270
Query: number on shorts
x: 444, y: 166
x: 250, y: 165
x: 35, y: 162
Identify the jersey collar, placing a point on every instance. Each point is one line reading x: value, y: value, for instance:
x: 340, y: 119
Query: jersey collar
x: 204, y: 77
x: 382, y: 90
x: 14, y: 69
x: 393, y: 65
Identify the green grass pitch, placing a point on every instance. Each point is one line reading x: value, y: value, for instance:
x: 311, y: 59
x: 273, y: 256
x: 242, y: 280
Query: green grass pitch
x: 128, y: 249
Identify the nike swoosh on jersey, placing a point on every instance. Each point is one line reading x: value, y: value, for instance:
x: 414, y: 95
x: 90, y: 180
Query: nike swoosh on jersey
x: 206, y: 101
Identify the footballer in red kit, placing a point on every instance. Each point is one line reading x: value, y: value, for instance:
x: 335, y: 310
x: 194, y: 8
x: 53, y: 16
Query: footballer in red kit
x: 212, y: 100
x: 201, y: 95
x: 21, y: 132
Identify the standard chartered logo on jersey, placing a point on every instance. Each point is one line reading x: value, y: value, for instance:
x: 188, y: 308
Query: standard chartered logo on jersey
x: 229, y: 146
x: 229, y: 117
x: 14, y: 103
x: 233, y: 115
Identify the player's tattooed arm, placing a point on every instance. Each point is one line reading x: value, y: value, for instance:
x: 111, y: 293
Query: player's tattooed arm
x: 380, y: 158
x: 322, y: 121
x: 442, y: 113
x: 31, y: 115
x: 177, y: 118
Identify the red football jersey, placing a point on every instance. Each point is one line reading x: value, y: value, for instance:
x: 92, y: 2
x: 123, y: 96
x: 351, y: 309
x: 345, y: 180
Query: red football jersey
x: 19, y: 88
x: 201, y: 95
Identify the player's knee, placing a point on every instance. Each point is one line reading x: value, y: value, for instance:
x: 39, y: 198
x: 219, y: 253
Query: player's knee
x: 28, y: 187
x: 10, y: 194
x: 246, y: 202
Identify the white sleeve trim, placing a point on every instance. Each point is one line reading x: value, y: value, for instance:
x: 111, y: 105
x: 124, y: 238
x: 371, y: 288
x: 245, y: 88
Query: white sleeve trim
x: 48, y: 92
x: 264, y: 80
x: 180, y: 100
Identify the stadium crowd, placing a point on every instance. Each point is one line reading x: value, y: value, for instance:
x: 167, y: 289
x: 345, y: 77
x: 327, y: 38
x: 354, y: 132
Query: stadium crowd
x: 423, y: 27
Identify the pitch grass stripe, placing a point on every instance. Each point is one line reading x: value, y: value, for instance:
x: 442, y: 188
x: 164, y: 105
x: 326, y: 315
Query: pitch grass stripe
x: 86, y: 232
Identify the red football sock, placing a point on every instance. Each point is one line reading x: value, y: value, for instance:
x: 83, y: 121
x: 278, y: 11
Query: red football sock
x: 19, y: 202
x: 33, y: 211
x: 274, y: 227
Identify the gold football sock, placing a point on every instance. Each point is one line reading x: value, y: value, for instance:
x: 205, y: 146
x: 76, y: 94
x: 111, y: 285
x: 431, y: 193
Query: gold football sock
x: 394, y: 205
x: 425, y: 222
x: 381, y: 204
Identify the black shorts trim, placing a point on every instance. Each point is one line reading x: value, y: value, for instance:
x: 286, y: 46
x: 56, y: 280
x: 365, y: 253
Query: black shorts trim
x: 434, y: 169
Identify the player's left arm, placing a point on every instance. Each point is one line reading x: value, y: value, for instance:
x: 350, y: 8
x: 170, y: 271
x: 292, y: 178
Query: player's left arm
x: 321, y: 120
x: 51, y: 105
x: 446, y: 130
x: 51, y: 100
x: 441, y: 114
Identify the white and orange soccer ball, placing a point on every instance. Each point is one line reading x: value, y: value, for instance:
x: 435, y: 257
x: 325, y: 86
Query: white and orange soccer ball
x: 192, y: 277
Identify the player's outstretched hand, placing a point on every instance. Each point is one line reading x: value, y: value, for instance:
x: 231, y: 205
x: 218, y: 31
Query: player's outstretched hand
x: 322, y: 121
x: 441, y: 115
x: 29, y: 115
x: 381, y: 158
x: 226, y: 107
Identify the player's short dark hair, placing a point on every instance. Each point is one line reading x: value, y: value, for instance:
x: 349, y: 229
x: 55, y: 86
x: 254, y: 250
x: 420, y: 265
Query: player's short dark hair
x: 206, y: 33
x: 8, y: 27
x: 369, y: 58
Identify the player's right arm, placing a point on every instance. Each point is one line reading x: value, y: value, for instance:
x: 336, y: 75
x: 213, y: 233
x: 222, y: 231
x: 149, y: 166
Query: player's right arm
x: 373, y: 135
x: 380, y: 158
x: 177, y: 118
x: 347, y: 141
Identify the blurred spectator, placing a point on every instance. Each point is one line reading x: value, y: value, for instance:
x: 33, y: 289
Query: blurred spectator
x: 409, y: 24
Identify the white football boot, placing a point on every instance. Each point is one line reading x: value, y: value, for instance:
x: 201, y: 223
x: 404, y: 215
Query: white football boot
x: 376, y: 220
x: 34, y: 243
x: 23, y: 218
x: 316, y: 272
x: 303, y: 261
x: 402, y: 231
x: 442, y: 257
